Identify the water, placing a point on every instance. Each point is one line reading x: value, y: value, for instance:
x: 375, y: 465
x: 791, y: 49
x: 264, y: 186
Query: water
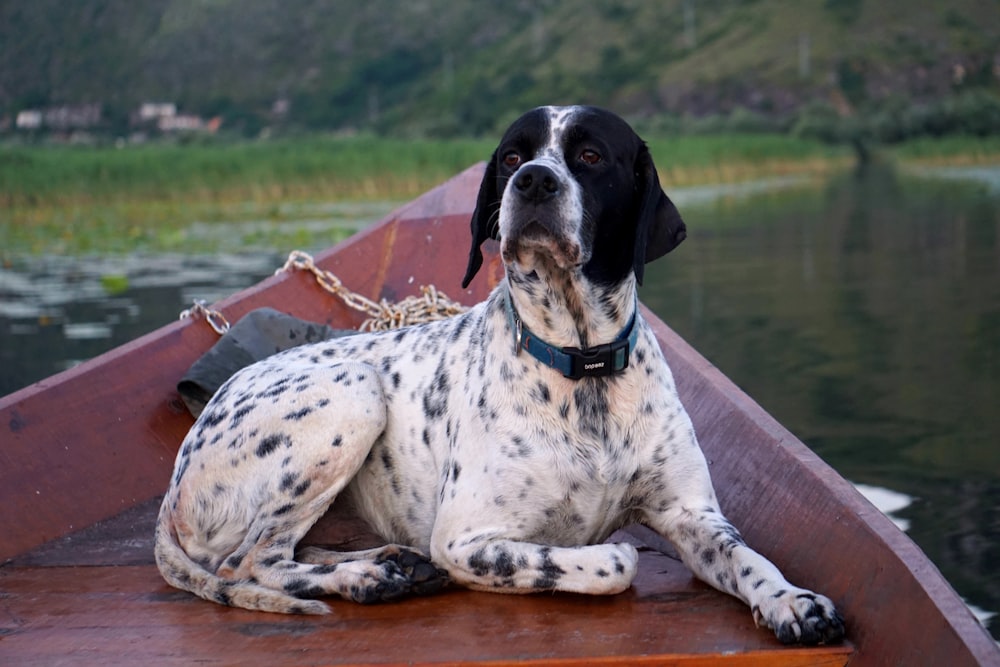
x: 865, y: 316
x: 863, y: 313
x: 58, y: 311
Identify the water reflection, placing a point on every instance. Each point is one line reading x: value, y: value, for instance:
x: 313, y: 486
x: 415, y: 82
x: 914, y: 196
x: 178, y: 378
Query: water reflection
x: 58, y: 311
x: 865, y: 316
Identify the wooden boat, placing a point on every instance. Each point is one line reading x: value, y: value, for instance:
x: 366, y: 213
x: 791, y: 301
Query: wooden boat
x: 86, y: 454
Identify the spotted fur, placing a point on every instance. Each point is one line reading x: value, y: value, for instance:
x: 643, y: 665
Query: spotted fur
x: 476, y: 463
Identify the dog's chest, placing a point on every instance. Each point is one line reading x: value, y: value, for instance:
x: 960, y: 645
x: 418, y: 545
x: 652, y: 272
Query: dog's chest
x: 558, y: 459
x: 497, y: 431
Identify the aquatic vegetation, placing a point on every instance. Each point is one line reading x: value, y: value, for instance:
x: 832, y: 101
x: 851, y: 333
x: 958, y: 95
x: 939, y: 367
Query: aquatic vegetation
x: 165, y: 197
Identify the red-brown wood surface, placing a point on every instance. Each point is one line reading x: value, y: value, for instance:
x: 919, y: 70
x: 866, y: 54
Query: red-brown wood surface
x: 64, y: 603
x: 99, y: 440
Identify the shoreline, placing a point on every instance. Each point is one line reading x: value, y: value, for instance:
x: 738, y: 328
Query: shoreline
x: 82, y: 200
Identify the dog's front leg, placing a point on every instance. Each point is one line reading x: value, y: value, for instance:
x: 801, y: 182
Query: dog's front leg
x: 486, y: 561
x: 715, y: 551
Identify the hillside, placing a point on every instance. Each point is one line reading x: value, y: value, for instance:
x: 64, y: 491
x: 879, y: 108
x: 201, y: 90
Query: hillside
x: 441, y: 67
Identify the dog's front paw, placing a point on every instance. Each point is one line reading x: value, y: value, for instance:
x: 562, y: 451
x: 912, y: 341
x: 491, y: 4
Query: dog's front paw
x: 799, y: 616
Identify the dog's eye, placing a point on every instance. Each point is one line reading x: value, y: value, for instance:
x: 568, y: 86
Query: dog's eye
x: 511, y: 159
x: 590, y: 157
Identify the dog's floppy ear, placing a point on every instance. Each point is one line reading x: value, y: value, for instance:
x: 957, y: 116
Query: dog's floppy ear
x: 484, y: 219
x: 660, y: 227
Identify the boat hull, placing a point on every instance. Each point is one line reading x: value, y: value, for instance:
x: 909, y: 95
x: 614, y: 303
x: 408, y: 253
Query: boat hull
x: 87, y: 453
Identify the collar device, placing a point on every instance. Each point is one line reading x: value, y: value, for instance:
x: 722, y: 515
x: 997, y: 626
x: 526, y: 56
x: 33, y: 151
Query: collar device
x: 573, y: 362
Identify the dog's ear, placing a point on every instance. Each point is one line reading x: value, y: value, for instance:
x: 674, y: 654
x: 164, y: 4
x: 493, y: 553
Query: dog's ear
x: 660, y: 228
x: 484, y: 219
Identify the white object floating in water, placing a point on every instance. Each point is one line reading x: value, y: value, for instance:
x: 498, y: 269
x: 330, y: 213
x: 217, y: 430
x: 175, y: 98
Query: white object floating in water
x: 887, y: 502
x: 86, y: 331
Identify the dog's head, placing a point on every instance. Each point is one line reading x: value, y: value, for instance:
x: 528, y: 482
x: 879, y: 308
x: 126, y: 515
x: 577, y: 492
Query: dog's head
x: 574, y: 188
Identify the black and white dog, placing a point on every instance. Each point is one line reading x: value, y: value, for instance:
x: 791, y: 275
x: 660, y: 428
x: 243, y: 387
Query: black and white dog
x: 497, y: 449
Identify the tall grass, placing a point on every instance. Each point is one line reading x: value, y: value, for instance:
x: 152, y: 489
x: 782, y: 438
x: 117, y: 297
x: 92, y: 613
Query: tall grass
x: 61, y: 199
x: 331, y: 167
x: 728, y: 158
x: 952, y: 150
x: 343, y: 168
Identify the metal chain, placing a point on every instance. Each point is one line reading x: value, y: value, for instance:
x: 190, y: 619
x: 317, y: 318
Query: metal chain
x: 215, y: 319
x: 382, y: 315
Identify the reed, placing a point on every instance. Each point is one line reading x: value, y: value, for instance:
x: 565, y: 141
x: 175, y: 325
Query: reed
x: 954, y: 150
x: 62, y: 199
x: 359, y: 167
x: 732, y: 158
x: 341, y: 168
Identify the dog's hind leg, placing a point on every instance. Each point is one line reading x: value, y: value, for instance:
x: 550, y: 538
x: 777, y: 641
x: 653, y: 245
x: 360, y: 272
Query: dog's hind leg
x: 335, y: 415
x: 240, y: 510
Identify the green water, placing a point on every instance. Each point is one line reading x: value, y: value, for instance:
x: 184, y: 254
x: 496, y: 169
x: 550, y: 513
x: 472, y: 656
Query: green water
x: 864, y: 314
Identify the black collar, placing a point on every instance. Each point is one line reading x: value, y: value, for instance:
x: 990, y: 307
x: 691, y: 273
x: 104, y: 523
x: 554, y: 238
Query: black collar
x: 572, y: 362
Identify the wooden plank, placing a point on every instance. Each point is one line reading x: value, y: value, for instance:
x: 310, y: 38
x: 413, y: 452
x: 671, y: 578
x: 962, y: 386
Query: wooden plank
x: 126, y: 614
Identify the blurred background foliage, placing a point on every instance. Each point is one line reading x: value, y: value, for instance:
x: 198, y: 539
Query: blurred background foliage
x: 836, y: 70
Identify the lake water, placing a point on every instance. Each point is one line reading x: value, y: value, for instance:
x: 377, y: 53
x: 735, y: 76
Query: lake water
x: 865, y: 316
x: 863, y: 313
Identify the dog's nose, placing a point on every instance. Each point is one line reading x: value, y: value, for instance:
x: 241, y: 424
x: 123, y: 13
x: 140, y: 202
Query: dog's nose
x: 536, y: 183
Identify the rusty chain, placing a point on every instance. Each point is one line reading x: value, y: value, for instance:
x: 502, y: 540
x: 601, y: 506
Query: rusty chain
x: 214, y: 318
x: 382, y: 315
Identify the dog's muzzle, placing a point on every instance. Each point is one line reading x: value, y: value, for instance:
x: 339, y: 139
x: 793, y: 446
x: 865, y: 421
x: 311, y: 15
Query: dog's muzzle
x: 538, y: 217
x: 535, y: 183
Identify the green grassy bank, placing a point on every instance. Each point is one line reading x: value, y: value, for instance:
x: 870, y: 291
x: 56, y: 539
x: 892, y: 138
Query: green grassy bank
x: 353, y: 168
x: 335, y: 168
x: 65, y: 199
x: 952, y: 151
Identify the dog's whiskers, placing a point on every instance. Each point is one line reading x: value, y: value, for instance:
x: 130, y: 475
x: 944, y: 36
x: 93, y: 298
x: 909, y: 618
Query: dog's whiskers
x: 494, y: 222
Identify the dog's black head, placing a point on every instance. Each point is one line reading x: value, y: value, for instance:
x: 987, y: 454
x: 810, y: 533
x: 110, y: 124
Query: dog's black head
x: 574, y: 187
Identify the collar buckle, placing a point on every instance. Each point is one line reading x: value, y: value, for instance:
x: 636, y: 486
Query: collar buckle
x: 518, y: 335
x: 598, y: 361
